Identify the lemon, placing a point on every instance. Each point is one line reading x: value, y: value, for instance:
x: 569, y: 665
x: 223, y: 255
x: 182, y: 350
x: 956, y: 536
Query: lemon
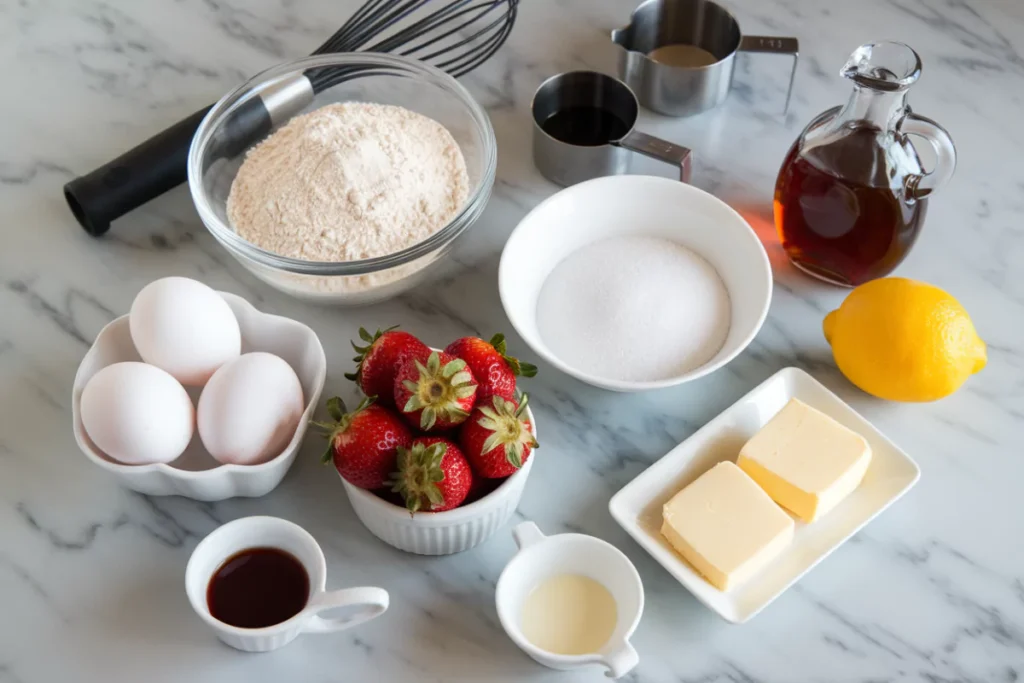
x: 904, y: 340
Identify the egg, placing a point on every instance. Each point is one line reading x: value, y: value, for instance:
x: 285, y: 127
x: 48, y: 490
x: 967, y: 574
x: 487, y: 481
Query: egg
x: 184, y: 327
x: 137, y: 413
x: 250, y: 409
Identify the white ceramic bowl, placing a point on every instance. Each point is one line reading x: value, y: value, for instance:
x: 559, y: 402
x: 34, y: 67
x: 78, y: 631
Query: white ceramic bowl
x: 617, y: 206
x: 442, y: 533
x: 195, y: 474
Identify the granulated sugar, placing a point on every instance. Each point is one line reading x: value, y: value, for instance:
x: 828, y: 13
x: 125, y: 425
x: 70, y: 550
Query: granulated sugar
x: 348, y: 182
x: 634, y: 309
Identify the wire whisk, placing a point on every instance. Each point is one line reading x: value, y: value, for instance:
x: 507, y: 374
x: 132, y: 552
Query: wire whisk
x: 457, y: 37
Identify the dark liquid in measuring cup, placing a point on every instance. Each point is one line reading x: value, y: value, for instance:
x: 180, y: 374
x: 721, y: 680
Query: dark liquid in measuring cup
x: 258, y: 587
x: 585, y: 126
x: 841, y: 212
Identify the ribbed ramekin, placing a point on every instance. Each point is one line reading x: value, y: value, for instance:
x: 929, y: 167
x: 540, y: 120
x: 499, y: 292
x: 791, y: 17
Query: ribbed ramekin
x: 441, y: 533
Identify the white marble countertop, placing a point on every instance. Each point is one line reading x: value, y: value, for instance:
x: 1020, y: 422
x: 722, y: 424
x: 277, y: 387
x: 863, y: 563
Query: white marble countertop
x: 91, y: 585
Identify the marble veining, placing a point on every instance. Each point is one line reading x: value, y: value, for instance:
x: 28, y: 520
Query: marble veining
x: 91, y: 575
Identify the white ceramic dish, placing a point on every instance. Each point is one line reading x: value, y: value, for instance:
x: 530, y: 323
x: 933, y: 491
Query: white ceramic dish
x: 195, y: 474
x: 441, y: 533
x: 637, y: 507
x: 541, y: 557
x: 635, y: 205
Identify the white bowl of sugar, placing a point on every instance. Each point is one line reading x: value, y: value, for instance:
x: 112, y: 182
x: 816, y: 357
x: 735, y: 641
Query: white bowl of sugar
x: 632, y: 283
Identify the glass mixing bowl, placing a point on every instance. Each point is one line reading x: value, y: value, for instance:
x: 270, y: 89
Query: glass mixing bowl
x: 284, y: 92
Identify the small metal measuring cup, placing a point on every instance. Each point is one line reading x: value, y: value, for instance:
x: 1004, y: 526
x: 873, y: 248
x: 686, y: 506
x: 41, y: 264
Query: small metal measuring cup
x: 565, y: 163
x: 684, y: 90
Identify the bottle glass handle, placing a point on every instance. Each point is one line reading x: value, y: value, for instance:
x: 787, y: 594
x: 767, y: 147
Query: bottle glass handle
x: 363, y: 603
x: 920, y: 186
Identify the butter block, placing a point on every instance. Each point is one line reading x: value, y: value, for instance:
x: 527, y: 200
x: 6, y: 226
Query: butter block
x: 726, y: 526
x: 806, y: 461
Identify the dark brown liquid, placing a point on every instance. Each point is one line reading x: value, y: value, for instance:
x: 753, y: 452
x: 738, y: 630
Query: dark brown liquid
x: 841, y: 212
x: 258, y: 587
x: 585, y: 126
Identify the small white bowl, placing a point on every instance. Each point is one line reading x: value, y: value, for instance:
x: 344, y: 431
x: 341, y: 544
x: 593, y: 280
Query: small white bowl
x: 617, y: 206
x: 195, y: 474
x: 541, y: 557
x: 442, y: 533
x: 637, y: 506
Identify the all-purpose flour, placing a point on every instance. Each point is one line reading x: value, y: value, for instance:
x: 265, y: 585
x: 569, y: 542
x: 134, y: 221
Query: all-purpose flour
x: 347, y: 182
x: 634, y: 309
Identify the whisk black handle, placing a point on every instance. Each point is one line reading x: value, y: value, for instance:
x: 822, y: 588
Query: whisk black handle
x: 155, y: 166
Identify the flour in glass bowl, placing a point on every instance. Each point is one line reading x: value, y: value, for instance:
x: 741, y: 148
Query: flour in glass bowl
x: 348, y: 182
x: 634, y: 309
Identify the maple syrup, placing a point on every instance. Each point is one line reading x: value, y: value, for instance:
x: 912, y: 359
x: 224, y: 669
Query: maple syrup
x: 841, y: 210
x: 851, y: 197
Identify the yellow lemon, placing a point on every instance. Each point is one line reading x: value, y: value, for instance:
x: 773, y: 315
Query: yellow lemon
x: 904, y: 340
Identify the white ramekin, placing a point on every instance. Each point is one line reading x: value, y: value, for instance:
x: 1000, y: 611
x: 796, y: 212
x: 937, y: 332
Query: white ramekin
x: 441, y: 533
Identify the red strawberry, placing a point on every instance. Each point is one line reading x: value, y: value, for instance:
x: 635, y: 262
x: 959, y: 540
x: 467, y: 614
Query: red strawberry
x: 432, y: 476
x: 364, y: 443
x: 495, y: 371
x: 482, y: 488
x: 437, y: 394
x: 379, y: 360
x: 498, y: 438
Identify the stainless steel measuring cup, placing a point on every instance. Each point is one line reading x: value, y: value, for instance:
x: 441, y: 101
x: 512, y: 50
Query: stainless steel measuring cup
x: 687, y: 89
x: 566, y: 163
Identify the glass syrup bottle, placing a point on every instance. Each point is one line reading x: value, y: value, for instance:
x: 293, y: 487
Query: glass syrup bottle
x: 851, y: 196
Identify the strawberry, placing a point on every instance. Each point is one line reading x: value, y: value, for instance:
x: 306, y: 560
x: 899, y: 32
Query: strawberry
x: 437, y: 394
x: 379, y: 360
x: 481, y: 488
x: 364, y: 443
x: 495, y: 371
x: 432, y: 476
x: 498, y: 438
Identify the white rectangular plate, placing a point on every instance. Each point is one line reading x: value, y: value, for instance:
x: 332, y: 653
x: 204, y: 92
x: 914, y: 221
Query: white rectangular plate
x: 637, y: 507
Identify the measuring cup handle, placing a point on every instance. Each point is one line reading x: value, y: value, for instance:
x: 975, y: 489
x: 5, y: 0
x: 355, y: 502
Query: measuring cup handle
x: 778, y: 46
x: 369, y: 603
x: 920, y: 186
x: 662, y: 150
x: 772, y: 44
x: 621, y: 661
x: 526, y: 534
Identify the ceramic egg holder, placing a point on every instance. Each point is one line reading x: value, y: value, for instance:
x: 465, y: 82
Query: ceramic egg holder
x: 195, y: 474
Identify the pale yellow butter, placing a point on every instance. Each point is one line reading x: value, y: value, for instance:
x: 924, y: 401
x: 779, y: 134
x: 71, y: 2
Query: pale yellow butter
x: 806, y: 461
x: 726, y: 526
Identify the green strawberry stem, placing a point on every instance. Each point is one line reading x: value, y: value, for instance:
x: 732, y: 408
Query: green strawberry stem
x: 419, y: 472
x: 361, y: 351
x: 518, y: 367
x: 505, y: 422
x: 438, y: 389
x: 341, y: 421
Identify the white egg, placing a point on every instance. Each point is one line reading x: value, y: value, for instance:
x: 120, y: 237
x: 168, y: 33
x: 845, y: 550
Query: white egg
x: 250, y: 409
x: 184, y: 327
x: 137, y: 414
